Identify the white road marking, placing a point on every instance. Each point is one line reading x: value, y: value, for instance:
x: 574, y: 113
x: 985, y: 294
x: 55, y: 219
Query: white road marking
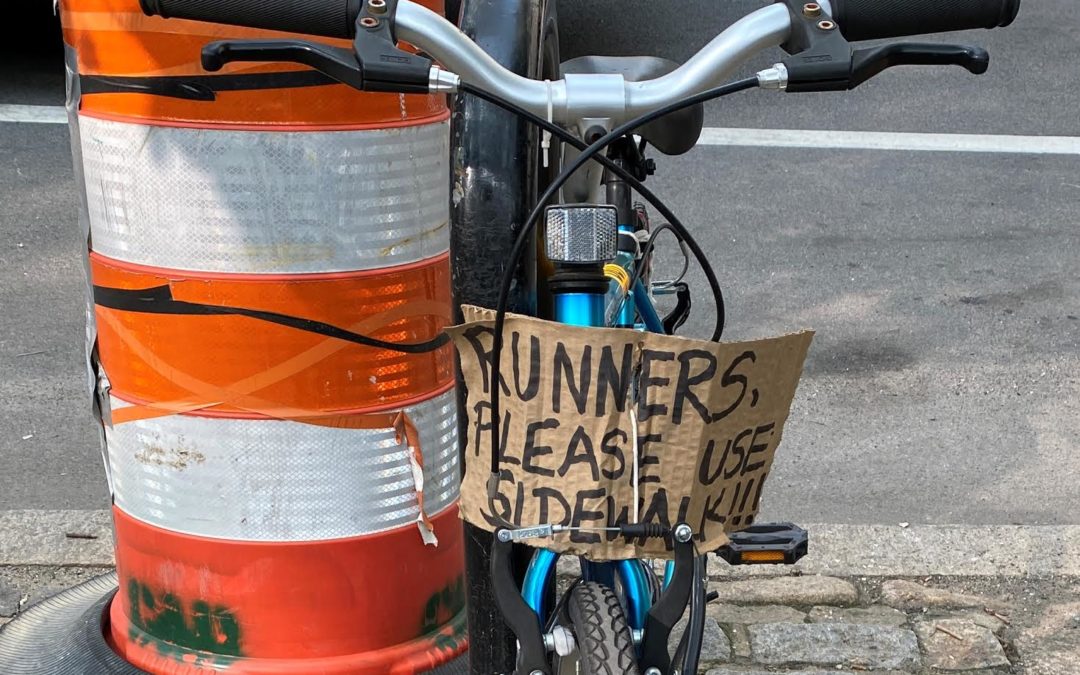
x: 883, y: 140
x: 33, y: 114
x: 767, y: 138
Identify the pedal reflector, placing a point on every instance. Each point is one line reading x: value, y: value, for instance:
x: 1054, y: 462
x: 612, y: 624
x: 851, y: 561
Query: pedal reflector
x: 762, y: 557
x: 766, y: 544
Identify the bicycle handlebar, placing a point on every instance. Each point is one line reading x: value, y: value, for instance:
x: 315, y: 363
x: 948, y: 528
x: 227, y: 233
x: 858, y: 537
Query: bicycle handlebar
x: 581, y: 96
x: 570, y: 99
x: 872, y: 19
x: 578, y: 96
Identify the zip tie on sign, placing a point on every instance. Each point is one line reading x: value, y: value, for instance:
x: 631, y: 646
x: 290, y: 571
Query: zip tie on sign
x: 637, y: 467
x: 545, y: 141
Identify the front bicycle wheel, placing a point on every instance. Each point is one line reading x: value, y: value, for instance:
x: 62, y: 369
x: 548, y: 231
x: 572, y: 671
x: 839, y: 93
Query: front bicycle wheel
x: 604, y: 643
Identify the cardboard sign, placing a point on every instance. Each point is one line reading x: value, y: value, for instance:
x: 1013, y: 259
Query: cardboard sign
x: 708, y: 418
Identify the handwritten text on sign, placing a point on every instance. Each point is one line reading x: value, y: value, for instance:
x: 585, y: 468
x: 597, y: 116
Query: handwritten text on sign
x: 709, y: 419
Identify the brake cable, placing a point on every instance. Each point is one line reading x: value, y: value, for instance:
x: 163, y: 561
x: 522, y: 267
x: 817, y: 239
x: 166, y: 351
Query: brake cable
x: 680, y: 230
x: 646, y: 251
x: 523, y: 239
x: 666, y: 227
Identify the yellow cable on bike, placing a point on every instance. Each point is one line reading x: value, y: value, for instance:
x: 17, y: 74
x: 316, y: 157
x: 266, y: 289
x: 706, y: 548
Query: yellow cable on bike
x: 616, y: 272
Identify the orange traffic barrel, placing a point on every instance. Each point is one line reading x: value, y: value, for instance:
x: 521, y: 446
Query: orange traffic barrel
x: 269, y: 284
x: 136, y: 67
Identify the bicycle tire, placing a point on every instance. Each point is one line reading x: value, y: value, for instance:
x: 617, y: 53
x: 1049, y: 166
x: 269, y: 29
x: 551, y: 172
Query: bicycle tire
x: 604, y: 643
x: 453, y: 11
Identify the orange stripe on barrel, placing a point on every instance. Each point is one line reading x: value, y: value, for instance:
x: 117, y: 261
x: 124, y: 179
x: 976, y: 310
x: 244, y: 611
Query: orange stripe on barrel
x: 113, y: 38
x: 375, y: 604
x: 218, y: 360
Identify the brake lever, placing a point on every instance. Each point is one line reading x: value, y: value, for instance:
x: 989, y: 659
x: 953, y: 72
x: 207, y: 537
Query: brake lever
x: 866, y: 63
x: 373, y: 64
x: 839, y: 68
x: 821, y: 59
x: 334, y: 62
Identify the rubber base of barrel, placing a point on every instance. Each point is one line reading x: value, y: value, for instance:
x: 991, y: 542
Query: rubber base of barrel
x: 64, y: 635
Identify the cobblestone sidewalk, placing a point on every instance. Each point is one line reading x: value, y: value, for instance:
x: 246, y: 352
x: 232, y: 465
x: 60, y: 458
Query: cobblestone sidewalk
x: 813, y: 625
x: 810, y: 625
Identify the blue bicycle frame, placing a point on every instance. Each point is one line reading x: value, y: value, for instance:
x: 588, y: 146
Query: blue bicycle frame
x: 588, y: 309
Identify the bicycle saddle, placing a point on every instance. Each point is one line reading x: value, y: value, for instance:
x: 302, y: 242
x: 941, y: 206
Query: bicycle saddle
x: 672, y: 134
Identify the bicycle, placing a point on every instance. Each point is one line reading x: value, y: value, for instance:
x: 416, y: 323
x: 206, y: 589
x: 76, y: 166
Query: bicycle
x: 618, y: 615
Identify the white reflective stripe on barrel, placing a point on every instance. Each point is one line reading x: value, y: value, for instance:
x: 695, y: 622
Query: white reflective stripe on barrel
x: 273, y: 480
x: 266, y: 202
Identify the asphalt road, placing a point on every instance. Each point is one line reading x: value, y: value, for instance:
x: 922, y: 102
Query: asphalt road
x: 944, y: 382
x: 1031, y: 87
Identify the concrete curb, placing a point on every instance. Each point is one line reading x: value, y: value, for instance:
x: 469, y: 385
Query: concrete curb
x: 56, y: 538
x: 84, y: 538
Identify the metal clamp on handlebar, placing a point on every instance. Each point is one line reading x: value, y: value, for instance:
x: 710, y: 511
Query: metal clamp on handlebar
x: 823, y: 60
x: 373, y: 64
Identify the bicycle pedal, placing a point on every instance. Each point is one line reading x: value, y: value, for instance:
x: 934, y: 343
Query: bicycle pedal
x: 766, y: 544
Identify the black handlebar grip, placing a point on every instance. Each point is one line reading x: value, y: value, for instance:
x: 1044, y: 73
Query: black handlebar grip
x: 328, y: 18
x: 872, y: 19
